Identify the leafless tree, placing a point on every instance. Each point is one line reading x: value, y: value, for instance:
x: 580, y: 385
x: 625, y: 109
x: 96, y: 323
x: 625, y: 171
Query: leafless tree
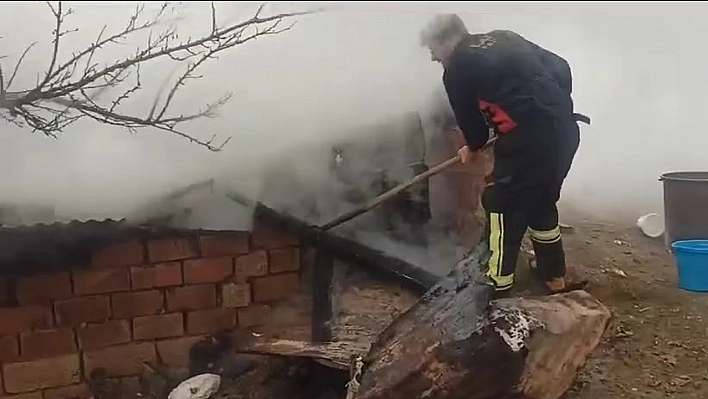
x: 73, y: 86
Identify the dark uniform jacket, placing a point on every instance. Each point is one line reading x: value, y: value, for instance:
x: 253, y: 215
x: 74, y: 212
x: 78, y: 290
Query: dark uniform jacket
x: 501, y: 84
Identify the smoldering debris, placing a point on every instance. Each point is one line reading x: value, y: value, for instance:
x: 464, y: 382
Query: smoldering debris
x: 438, y: 257
x: 321, y: 181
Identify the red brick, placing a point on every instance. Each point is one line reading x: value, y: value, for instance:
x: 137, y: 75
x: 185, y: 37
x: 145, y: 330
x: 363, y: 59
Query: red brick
x: 9, y: 349
x: 139, y: 303
x: 31, y: 395
x: 175, y: 352
x: 254, y: 315
x: 122, y: 360
x: 78, y: 391
x: 23, y: 318
x: 159, y: 275
x: 284, y: 260
x: 213, y: 246
x: 275, y: 287
x: 267, y: 237
x: 210, y: 321
x: 40, y: 374
x: 75, y: 311
x: 127, y: 253
x: 101, y: 281
x: 162, y: 326
x: 168, y: 249
x: 96, y: 336
x: 46, y: 343
x: 252, y: 265
x: 207, y: 270
x: 191, y: 297
x: 235, y: 295
x: 43, y: 289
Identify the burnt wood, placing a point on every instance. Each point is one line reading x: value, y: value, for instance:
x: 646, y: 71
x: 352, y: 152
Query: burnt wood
x: 455, y: 343
x: 444, y: 345
x: 322, y: 296
x: 332, y: 354
x: 414, y: 277
x: 448, y: 347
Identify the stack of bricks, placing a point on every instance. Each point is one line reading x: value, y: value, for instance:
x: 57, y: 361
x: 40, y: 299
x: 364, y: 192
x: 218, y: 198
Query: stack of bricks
x: 142, y: 300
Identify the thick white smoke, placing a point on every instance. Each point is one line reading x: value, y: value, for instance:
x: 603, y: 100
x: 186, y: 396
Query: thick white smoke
x: 638, y: 73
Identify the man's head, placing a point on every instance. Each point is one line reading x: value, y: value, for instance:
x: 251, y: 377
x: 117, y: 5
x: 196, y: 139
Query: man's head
x: 441, y: 35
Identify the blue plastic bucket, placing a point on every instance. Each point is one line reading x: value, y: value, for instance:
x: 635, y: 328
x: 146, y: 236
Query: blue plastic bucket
x: 692, y: 262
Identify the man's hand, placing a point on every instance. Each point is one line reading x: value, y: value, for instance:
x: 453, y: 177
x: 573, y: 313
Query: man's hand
x: 465, y: 154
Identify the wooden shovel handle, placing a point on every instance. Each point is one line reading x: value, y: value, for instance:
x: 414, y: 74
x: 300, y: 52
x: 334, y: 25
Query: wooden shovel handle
x: 397, y: 190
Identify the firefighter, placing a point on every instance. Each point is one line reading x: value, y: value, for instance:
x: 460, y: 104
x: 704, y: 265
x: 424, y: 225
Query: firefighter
x: 500, y: 84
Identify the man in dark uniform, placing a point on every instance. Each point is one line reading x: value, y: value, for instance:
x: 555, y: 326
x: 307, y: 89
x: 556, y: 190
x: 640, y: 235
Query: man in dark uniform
x: 500, y: 84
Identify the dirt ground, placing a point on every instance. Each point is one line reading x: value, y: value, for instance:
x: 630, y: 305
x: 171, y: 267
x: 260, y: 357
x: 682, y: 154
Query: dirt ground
x: 656, y: 346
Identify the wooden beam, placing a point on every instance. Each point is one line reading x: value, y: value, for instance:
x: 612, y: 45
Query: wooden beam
x: 322, y: 296
x: 377, y: 261
x: 332, y: 354
x: 343, y: 248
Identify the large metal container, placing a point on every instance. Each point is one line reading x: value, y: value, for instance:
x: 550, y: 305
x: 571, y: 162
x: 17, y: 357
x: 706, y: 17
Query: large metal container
x: 685, y: 206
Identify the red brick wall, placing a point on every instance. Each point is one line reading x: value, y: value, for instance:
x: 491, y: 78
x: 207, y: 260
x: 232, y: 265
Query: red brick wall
x: 141, y: 300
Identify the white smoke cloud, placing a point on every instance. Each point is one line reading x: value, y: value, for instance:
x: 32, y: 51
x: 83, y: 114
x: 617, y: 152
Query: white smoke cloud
x: 638, y: 71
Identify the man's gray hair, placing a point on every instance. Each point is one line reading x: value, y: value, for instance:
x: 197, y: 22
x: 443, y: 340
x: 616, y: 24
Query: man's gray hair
x: 441, y: 28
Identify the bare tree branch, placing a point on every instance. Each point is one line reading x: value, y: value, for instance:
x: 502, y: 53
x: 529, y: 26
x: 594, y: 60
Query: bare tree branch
x: 17, y: 65
x: 70, y: 90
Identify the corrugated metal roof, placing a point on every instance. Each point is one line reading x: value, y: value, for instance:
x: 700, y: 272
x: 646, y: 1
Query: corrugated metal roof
x: 155, y: 213
x: 62, y: 225
x: 42, y: 247
x: 28, y: 248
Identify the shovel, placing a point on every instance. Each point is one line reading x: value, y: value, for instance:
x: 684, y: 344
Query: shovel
x: 374, y: 202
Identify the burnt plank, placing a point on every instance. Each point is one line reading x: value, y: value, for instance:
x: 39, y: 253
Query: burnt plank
x: 377, y: 261
x: 333, y: 354
x: 322, y: 296
x: 343, y: 248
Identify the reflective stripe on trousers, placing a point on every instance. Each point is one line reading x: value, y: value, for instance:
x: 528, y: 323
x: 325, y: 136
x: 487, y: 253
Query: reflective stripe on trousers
x: 546, y: 236
x: 496, y: 247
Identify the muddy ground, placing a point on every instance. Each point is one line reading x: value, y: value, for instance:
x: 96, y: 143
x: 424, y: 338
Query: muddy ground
x: 655, y: 347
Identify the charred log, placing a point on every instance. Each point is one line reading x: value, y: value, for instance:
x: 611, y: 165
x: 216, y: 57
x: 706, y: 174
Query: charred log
x: 456, y: 344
